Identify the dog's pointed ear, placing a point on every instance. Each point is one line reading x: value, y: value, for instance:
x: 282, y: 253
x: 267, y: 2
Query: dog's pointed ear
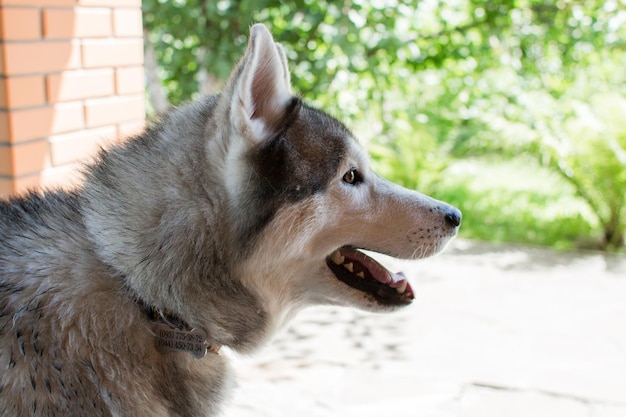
x: 261, y: 90
x: 285, y: 65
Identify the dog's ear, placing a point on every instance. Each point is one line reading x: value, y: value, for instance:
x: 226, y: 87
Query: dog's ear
x: 285, y: 65
x: 261, y: 92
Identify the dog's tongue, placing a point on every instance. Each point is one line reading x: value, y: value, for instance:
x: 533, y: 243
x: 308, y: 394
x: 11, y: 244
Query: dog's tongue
x: 358, y: 262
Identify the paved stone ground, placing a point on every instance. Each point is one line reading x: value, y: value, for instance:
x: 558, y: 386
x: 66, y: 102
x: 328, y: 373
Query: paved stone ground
x: 496, y: 331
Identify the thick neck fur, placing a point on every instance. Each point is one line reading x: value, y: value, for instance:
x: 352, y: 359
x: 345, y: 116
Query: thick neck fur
x: 171, y: 248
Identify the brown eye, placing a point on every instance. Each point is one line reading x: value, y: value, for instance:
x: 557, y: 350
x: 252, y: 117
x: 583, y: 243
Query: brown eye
x: 352, y: 176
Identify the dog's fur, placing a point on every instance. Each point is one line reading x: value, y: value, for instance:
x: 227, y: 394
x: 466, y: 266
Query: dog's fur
x: 223, y: 215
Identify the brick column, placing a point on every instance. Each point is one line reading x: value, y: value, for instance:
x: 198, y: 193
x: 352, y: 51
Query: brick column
x: 71, y: 79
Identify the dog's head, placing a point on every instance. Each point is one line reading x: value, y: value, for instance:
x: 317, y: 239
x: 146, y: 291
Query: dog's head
x: 306, y: 201
x: 237, y: 210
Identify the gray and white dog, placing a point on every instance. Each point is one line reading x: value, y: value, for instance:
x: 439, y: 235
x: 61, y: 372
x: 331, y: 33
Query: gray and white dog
x: 211, y: 228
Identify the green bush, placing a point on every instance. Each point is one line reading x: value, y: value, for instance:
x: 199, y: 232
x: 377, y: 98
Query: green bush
x: 432, y: 84
x: 516, y: 202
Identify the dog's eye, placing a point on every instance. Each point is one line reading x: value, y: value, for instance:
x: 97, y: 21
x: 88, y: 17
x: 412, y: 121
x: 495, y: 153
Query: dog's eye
x: 352, y: 176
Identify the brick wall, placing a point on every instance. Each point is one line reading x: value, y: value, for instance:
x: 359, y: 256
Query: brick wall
x: 71, y: 79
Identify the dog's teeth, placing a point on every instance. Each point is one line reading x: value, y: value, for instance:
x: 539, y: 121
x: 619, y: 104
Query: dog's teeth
x: 349, y: 267
x: 337, y: 258
x: 360, y: 275
x: 402, y: 287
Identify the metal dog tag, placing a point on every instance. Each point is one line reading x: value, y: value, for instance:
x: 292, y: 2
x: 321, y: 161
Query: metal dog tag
x: 169, y: 339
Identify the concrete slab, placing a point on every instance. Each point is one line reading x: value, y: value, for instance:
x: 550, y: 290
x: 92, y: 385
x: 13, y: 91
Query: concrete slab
x: 481, y: 402
x: 495, y: 331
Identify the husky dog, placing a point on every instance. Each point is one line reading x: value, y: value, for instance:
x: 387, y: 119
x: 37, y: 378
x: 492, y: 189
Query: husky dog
x: 211, y: 228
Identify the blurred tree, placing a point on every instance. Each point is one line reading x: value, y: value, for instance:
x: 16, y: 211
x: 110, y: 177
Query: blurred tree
x: 429, y: 81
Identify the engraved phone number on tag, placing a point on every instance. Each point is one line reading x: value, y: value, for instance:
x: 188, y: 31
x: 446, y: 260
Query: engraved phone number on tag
x: 180, y: 345
x: 180, y: 336
x: 191, y: 341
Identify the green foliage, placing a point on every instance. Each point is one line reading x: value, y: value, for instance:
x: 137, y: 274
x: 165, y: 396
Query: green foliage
x: 515, y: 201
x: 427, y: 84
x: 590, y: 153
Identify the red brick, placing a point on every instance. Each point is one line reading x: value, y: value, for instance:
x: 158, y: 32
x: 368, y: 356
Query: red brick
x: 38, y: 3
x: 112, y: 110
x: 6, y: 160
x: 65, y: 177
x: 5, y: 135
x: 26, y: 183
x: 24, y: 91
x: 19, y: 24
x: 75, y: 85
x: 38, y: 57
x: 112, y: 52
x: 111, y: 3
x: 127, y: 22
x: 127, y: 130
x: 77, y: 23
x: 129, y: 80
x: 28, y: 158
x: 41, y: 122
x: 6, y: 187
x: 82, y: 145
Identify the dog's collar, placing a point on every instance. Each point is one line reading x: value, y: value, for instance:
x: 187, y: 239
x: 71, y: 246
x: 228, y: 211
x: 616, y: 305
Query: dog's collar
x: 172, y: 334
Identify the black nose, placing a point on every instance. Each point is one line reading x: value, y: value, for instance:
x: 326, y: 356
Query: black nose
x: 453, y: 217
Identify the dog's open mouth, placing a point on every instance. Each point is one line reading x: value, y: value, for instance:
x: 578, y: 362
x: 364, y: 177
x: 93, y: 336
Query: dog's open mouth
x: 359, y: 271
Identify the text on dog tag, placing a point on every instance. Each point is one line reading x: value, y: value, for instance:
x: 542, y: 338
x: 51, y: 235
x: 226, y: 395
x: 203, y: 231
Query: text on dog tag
x: 170, y: 339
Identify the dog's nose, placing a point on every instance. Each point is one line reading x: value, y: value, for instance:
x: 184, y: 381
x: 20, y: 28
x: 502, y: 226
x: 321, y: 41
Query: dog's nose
x: 453, y: 217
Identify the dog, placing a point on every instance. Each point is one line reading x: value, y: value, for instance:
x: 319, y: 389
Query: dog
x: 211, y: 228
